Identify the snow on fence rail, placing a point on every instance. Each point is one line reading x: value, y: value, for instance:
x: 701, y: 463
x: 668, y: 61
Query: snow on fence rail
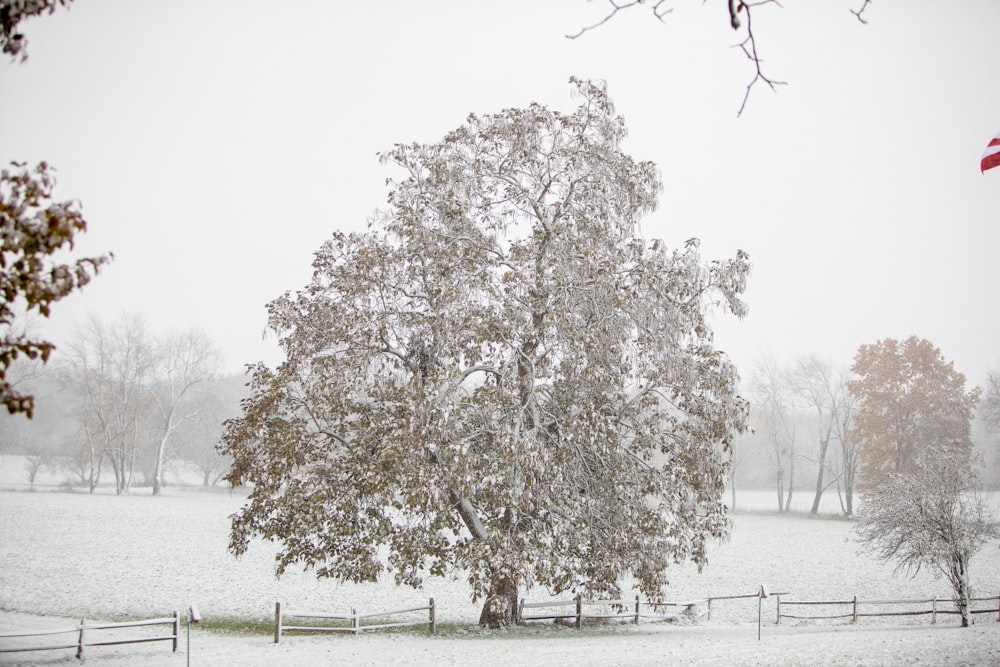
x: 83, y: 635
x: 354, y: 618
x: 622, y: 609
x: 855, y: 604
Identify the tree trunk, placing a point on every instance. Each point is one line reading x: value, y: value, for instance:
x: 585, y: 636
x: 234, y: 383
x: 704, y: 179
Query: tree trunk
x: 96, y: 466
x: 500, y: 608
x: 116, y: 465
x: 781, y: 491
x: 158, y: 468
x: 824, y: 445
x: 962, y: 587
x: 134, y: 451
x: 791, y: 478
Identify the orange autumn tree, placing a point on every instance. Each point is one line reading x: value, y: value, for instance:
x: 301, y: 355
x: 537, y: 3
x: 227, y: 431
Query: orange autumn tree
x: 910, y: 400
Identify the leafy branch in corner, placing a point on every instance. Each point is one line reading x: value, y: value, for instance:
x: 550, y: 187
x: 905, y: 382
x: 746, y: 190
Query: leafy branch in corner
x: 33, y: 228
x: 11, y: 13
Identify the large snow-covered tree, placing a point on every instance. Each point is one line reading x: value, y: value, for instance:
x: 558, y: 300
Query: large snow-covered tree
x: 500, y: 378
x: 910, y: 399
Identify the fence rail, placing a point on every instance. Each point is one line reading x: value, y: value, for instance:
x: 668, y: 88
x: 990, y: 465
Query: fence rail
x: 626, y: 609
x: 83, y: 635
x: 855, y: 612
x: 354, y: 618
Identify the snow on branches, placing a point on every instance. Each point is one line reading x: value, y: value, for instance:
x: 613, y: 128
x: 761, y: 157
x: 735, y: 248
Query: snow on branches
x: 500, y: 378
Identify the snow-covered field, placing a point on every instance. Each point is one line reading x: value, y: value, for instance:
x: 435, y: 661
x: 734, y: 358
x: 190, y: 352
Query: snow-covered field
x: 69, y: 556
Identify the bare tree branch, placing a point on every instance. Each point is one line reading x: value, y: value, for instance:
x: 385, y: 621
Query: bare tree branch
x: 622, y: 6
x: 749, y: 48
x: 859, y: 12
x: 660, y: 9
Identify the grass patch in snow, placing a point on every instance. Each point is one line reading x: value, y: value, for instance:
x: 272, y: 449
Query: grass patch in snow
x: 241, y: 625
x: 238, y: 625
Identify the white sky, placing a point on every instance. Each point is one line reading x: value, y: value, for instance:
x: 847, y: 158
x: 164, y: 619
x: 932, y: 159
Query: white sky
x: 215, y: 145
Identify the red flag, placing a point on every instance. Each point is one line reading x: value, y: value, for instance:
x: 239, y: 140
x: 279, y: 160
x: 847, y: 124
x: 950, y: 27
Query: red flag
x: 991, y: 158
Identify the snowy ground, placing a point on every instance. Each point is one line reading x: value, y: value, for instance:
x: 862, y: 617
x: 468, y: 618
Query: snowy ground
x: 69, y: 556
x: 647, y: 644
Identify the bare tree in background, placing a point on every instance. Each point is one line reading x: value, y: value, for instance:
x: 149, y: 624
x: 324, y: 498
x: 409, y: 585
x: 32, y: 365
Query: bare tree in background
x: 823, y: 390
x: 772, y: 401
x: 42, y: 439
x: 741, y: 453
x: 217, y: 400
x: 850, y: 454
x: 930, y: 514
x: 991, y: 401
x: 182, y: 361
x: 986, y: 429
x: 19, y: 376
x: 108, y: 367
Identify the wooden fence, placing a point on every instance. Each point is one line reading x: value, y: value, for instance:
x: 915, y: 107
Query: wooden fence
x: 354, y: 619
x: 84, y: 635
x: 854, y: 612
x: 633, y: 610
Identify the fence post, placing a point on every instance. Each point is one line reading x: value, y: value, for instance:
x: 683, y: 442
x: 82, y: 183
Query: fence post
x: 934, y: 610
x: 177, y: 631
x: 356, y: 621
x: 998, y: 608
x: 79, y: 648
x: 855, y: 620
x: 520, y: 613
x: 277, y: 622
x: 708, y: 616
x: 637, y: 610
x: 432, y: 615
x: 778, y: 622
x: 579, y: 611
x: 760, y: 605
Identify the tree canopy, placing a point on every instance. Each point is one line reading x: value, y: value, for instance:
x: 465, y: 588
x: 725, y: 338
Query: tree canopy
x: 909, y: 400
x: 933, y: 515
x: 500, y: 377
